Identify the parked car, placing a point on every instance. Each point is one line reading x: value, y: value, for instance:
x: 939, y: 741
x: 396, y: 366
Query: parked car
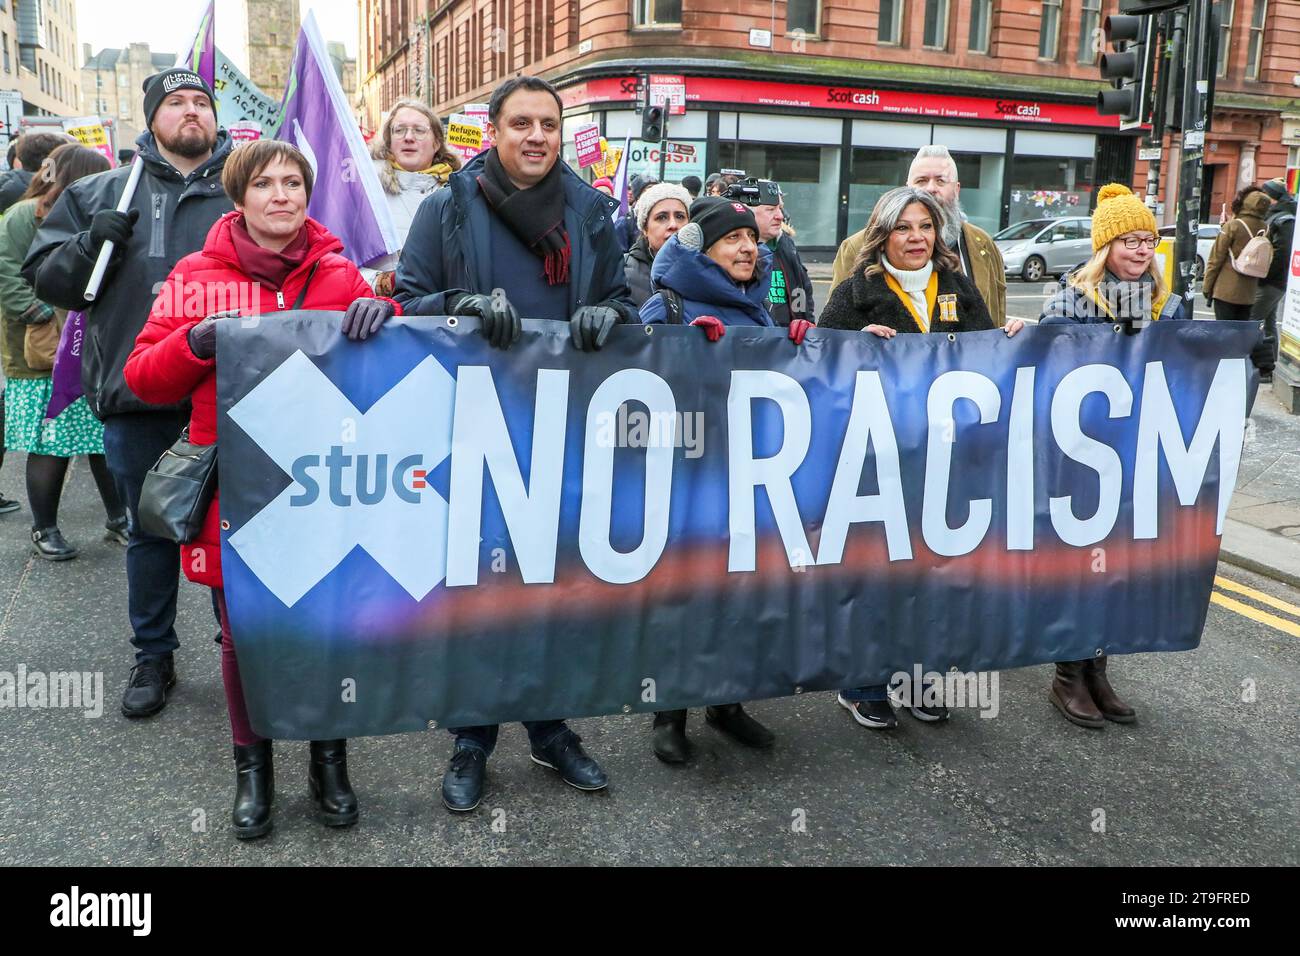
x: 1205, y: 236
x: 1036, y: 248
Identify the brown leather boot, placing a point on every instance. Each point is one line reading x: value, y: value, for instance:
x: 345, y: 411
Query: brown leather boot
x: 1103, y: 695
x: 1071, y: 696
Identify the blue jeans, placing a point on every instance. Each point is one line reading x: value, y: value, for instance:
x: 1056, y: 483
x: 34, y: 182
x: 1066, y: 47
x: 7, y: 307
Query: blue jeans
x: 870, y: 692
x: 132, y: 443
x: 540, y: 734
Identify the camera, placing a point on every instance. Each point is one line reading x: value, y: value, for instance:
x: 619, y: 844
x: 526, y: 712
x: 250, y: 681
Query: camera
x: 755, y: 192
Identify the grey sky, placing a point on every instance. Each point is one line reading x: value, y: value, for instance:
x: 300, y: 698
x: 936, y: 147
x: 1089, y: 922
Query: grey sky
x: 115, y: 23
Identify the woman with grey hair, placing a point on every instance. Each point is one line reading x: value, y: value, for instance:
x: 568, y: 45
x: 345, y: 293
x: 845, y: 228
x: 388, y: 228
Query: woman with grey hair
x: 905, y: 279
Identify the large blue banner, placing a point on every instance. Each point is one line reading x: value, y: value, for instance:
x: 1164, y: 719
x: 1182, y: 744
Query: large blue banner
x: 420, y: 528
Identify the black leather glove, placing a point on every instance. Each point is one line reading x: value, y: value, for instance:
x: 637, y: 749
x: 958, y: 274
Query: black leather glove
x: 501, y: 323
x: 590, y: 326
x: 364, y: 317
x: 109, y: 225
x: 203, y: 338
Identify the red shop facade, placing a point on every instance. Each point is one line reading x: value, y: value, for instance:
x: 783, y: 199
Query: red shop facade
x: 836, y: 148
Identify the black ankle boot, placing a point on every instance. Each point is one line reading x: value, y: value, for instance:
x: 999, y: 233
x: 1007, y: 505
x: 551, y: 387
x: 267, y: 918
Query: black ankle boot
x: 49, y: 544
x: 732, y: 720
x: 327, y: 777
x: 670, y: 741
x: 254, y: 790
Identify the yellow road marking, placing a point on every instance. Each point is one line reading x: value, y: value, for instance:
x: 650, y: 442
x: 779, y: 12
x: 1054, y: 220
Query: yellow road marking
x: 1263, y: 617
x: 1259, y: 596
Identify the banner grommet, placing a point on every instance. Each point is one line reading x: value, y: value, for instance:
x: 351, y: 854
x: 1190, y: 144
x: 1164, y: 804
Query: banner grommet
x: 649, y: 330
x: 225, y: 525
x: 452, y: 321
x: 952, y: 336
x: 433, y: 725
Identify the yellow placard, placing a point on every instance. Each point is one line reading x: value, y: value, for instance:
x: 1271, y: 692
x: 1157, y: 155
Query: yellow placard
x: 89, y: 135
x: 467, y: 135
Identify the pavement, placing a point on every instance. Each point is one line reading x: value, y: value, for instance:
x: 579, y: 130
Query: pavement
x: 1206, y: 776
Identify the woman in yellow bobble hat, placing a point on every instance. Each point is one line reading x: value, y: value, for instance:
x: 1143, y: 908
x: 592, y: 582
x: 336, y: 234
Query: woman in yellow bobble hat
x: 1120, y: 283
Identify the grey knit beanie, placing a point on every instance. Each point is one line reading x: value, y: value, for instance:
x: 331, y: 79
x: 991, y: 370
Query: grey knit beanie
x: 657, y: 194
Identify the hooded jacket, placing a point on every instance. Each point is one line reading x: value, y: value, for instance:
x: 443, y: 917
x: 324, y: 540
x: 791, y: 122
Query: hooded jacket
x: 12, y: 186
x: 449, y: 247
x: 176, y: 214
x: 1281, y: 233
x: 862, y: 300
x: 706, y: 289
x: 162, y: 370
x: 1222, y: 281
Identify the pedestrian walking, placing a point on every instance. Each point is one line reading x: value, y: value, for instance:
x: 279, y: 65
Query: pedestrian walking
x: 178, y: 199
x: 31, y: 338
x: 659, y: 213
x: 412, y: 161
x: 1230, y: 292
x: 1279, y: 227
x: 518, y: 233
x: 270, y: 251
x: 1120, y: 283
x: 905, y: 279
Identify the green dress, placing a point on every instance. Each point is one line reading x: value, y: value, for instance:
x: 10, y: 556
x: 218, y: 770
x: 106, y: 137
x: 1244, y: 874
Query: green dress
x: 27, y: 391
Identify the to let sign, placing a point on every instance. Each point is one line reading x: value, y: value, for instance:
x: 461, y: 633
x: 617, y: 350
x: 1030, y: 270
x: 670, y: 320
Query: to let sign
x: 668, y: 91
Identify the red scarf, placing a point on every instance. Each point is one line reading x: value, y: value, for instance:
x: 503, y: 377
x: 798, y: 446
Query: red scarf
x: 266, y: 266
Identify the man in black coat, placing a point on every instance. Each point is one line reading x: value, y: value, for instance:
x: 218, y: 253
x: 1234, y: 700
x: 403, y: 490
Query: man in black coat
x: 790, y: 295
x: 178, y: 199
x: 517, y: 233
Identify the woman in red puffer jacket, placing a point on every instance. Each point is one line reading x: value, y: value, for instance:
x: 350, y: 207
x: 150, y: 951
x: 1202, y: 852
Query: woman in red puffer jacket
x: 265, y: 257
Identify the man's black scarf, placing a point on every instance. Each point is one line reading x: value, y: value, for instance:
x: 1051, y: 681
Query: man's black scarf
x: 534, y: 215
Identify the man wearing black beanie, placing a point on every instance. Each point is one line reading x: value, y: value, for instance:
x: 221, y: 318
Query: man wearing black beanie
x: 178, y: 199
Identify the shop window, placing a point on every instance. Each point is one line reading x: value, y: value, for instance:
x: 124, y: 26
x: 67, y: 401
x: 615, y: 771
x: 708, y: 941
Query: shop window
x: 1050, y: 187
x: 656, y: 13
x: 805, y: 15
x: 980, y: 175
x: 1091, y: 39
x: 1049, y: 31
x: 980, y: 16
x: 1255, y: 54
x: 935, y: 33
x: 874, y: 171
x: 808, y: 176
x: 1227, y: 9
x: 891, y: 22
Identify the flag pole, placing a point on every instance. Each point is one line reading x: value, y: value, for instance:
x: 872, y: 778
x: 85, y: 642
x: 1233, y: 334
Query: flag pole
x: 106, y: 250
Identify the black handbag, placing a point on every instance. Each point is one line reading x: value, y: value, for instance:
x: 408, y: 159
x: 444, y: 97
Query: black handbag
x: 178, y: 490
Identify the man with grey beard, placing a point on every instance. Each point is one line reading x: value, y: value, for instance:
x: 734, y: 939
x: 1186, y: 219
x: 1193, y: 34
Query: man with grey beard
x: 935, y: 171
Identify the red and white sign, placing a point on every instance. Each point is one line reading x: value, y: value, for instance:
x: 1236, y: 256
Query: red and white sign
x: 668, y: 91
x: 244, y: 131
x: 931, y: 106
x: 586, y: 141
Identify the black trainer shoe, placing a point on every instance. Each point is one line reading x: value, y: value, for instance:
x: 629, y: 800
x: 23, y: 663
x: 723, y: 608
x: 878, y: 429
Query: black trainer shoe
x: 462, y: 784
x: 115, y: 530
x: 146, y: 690
x: 925, y: 712
x: 7, y: 505
x: 876, y: 714
x: 565, y: 755
x: 49, y: 544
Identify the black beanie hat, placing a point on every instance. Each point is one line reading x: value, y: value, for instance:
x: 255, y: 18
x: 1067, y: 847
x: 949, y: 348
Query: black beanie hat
x: 158, y: 86
x: 716, y: 217
x: 1275, y: 189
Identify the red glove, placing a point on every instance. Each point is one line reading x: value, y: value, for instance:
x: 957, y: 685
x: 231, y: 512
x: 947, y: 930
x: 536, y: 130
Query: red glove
x: 798, y: 329
x: 712, y: 326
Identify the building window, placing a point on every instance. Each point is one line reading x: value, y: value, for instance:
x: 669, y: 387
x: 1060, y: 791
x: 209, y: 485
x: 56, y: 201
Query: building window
x: 1255, y: 54
x: 1227, y: 8
x: 891, y: 21
x: 1090, y: 42
x: 805, y: 15
x: 1050, y: 30
x: 935, y: 36
x: 980, y: 15
x: 5, y: 38
x: 123, y: 80
x: 657, y: 13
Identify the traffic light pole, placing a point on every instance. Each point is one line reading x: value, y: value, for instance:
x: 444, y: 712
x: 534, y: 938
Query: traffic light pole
x: 663, y: 145
x: 1196, y: 80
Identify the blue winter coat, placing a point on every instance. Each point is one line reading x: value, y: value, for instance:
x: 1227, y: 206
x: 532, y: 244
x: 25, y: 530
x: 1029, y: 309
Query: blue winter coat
x: 1071, y: 305
x: 449, y: 247
x: 706, y: 289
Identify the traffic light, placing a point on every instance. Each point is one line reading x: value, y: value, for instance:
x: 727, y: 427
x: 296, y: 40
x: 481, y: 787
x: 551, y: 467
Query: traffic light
x: 1128, y: 68
x: 652, y: 124
x: 1144, y: 7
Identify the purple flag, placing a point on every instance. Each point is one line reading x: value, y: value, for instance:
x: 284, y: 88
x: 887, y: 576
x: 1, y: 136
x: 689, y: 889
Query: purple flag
x: 620, y: 180
x: 201, y: 56
x: 67, y: 366
x: 347, y: 198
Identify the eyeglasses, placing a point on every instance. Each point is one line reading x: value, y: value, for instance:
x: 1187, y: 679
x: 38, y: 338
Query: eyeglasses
x: 1134, y: 242
x: 417, y: 132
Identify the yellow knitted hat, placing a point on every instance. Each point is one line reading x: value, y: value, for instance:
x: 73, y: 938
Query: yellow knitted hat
x: 1118, y: 211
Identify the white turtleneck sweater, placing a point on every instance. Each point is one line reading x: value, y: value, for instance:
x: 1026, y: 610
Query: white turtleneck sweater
x: 913, y: 282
